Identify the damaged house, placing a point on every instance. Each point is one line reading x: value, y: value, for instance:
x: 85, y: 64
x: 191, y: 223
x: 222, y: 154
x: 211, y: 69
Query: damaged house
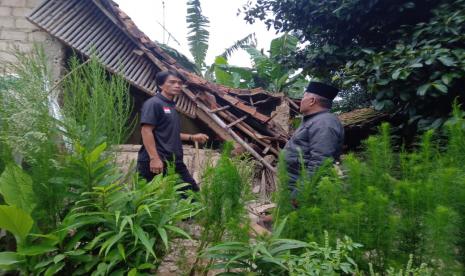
x: 99, y: 27
x: 253, y: 119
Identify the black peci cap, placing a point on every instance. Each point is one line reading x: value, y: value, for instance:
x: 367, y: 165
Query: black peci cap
x: 323, y: 90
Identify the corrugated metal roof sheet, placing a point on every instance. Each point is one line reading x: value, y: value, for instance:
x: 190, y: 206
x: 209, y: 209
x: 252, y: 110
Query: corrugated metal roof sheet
x: 81, y: 25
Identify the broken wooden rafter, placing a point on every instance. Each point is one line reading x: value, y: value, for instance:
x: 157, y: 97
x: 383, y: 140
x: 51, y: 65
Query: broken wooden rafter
x: 253, y: 133
x: 231, y: 118
x: 250, y: 132
x: 265, y: 151
x: 262, y: 101
x: 291, y: 102
x: 237, y: 121
x: 220, y: 109
x: 271, y: 118
x: 235, y: 136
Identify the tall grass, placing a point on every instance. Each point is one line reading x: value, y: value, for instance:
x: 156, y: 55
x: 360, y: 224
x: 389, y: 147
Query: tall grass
x: 395, y: 204
x: 50, y: 149
x: 29, y: 131
x: 98, y: 102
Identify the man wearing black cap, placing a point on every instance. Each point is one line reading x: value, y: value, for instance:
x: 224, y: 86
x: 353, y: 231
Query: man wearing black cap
x: 320, y: 136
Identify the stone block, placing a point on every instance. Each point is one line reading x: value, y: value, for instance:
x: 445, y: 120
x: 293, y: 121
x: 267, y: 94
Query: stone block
x: 33, y: 3
x: 13, y: 46
x: 7, y: 22
x: 37, y: 36
x: 5, y: 11
x: 4, y: 45
x: 21, y: 11
x: 24, y: 47
x: 7, y: 57
x: 13, y: 35
x: 22, y: 23
x: 13, y: 3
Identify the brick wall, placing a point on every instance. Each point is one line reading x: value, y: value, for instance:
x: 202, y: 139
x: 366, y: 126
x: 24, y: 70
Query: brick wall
x: 17, y: 33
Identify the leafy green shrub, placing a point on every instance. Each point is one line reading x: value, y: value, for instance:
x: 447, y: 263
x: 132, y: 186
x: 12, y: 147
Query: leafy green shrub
x: 409, y: 270
x: 130, y: 227
x: 407, y: 54
x: 325, y: 260
x: 393, y: 204
x: 273, y: 255
x: 47, y: 145
x: 30, y: 135
x: 113, y: 228
x: 63, y: 163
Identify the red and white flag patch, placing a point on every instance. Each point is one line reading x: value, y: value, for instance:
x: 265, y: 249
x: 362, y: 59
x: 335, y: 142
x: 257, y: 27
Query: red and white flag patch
x: 167, y: 110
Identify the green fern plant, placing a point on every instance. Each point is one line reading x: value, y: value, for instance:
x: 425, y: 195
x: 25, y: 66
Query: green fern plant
x: 198, y: 32
x: 222, y: 198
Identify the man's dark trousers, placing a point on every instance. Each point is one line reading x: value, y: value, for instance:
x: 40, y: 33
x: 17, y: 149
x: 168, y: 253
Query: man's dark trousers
x: 143, y: 168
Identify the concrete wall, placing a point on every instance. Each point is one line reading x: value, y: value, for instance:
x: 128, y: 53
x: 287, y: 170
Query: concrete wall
x: 195, y: 160
x: 17, y: 33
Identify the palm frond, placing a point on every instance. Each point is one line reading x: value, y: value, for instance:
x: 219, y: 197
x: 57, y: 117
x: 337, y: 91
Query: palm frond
x: 198, y: 34
x: 249, y: 41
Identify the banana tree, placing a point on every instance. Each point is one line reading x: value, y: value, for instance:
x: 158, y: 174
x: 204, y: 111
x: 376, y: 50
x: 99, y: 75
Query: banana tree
x: 267, y: 71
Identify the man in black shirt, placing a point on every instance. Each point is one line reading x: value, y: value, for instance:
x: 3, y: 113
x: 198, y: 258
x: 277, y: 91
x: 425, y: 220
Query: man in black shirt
x: 161, y: 131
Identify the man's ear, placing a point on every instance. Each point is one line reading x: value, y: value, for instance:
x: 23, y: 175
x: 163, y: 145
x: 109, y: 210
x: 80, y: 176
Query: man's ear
x: 312, y: 101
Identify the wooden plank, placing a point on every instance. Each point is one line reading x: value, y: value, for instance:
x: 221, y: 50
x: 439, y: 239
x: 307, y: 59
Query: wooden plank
x: 202, y: 115
x: 250, y: 132
x: 266, y: 149
x: 271, y: 118
x: 237, y: 121
x: 220, y: 109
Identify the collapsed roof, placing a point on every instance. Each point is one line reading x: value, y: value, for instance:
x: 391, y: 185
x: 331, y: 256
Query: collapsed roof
x: 101, y: 28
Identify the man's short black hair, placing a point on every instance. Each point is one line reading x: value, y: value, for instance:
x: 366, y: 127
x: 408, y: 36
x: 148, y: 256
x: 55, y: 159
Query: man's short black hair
x: 161, y: 77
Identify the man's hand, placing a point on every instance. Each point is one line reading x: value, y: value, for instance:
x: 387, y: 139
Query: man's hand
x: 156, y: 166
x: 200, y: 137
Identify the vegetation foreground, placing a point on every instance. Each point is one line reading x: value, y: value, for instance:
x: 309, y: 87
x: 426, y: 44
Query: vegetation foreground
x: 67, y: 209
